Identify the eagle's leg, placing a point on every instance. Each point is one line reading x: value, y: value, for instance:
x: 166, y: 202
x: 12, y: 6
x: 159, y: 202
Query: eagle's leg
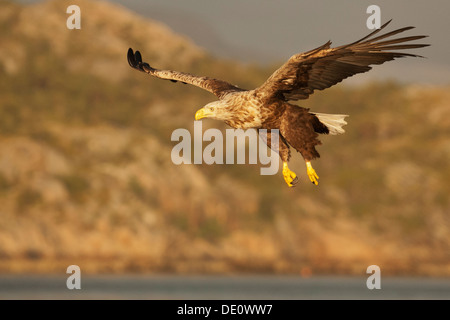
x: 311, y: 173
x: 289, y: 176
x: 301, y: 130
x: 281, y: 147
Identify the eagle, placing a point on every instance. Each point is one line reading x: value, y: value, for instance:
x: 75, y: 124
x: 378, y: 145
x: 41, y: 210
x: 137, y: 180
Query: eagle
x: 268, y: 106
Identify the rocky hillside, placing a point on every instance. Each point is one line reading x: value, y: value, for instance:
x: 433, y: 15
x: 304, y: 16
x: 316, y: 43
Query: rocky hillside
x: 86, y: 176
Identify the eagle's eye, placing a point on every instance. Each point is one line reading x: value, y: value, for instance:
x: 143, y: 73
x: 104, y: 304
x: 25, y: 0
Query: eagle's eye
x: 212, y: 109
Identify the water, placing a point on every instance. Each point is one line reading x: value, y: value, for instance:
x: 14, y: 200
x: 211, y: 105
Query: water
x: 221, y: 287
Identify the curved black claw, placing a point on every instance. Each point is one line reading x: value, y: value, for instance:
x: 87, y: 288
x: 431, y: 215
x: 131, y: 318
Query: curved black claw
x: 294, y: 182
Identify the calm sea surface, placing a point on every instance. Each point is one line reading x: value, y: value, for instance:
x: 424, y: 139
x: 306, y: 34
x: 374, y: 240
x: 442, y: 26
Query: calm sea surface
x: 220, y: 287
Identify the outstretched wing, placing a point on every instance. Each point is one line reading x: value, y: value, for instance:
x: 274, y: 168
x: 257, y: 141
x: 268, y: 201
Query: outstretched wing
x: 218, y: 87
x: 323, y: 67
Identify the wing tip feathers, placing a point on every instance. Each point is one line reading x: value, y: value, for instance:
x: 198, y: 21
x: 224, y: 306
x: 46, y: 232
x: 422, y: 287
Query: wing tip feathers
x: 135, y: 61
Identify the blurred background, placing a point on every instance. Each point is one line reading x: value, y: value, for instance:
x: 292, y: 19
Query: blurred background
x: 86, y: 176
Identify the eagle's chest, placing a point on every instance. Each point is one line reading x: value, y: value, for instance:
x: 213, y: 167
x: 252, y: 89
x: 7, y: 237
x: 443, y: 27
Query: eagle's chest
x: 247, y: 112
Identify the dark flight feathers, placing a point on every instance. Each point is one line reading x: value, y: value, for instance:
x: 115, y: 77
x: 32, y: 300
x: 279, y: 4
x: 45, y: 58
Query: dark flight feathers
x: 303, y: 73
x: 215, y: 86
x: 324, y: 67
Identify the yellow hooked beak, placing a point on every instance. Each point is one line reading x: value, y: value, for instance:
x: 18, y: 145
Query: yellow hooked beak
x: 202, y: 113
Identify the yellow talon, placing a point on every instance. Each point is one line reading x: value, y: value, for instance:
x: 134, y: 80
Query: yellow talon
x: 312, y: 173
x: 289, y: 176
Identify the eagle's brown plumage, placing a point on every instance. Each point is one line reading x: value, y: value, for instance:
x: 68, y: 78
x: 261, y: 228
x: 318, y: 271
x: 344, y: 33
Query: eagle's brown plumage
x: 267, y: 106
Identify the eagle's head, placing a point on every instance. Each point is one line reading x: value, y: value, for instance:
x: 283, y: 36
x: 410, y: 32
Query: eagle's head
x: 217, y: 110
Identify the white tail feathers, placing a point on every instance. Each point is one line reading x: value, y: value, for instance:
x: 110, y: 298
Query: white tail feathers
x: 334, y: 122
